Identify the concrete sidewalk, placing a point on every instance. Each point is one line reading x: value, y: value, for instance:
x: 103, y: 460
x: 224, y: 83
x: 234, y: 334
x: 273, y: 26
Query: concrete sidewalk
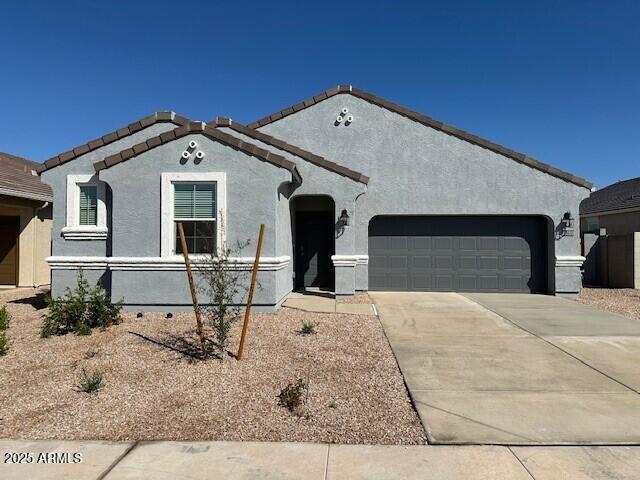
x: 282, y: 461
x: 311, y: 302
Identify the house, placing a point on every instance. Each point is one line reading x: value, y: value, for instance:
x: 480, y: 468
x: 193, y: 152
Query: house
x: 25, y: 224
x: 610, y: 230
x: 357, y: 193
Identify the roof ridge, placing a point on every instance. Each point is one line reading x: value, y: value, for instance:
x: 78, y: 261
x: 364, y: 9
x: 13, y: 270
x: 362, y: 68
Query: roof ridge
x: 162, y: 116
x: 293, y: 149
x: 425, y: 120
x: 205, y: 129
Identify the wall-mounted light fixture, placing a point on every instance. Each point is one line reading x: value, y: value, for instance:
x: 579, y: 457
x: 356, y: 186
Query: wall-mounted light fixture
x: 344, y: 218
x: 567, y: 224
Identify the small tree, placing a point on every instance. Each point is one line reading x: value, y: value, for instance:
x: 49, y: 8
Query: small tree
x: 224, y: 284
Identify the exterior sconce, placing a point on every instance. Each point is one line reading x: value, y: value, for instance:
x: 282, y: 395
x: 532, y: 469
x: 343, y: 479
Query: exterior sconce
x: 344, y: 218
x: 567, y: 224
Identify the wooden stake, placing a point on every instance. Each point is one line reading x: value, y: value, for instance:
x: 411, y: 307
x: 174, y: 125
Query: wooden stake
x: 196, y: 307
x: 254, y: 274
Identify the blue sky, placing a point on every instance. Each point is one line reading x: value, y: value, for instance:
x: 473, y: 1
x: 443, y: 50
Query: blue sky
x: 559, y: 81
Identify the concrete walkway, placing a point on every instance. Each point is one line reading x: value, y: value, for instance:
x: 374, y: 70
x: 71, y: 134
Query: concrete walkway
x: 310, y: 302
x: 516, y: 369
x: 283, y: 461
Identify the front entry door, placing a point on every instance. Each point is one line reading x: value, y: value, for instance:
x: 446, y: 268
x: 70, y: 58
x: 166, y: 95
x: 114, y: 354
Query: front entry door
x: 314, y: 247
x: 9, y: 231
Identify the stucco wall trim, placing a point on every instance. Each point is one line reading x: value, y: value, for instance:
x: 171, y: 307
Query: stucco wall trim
x: 173, y: 263
x: 570, y: 261
x: 349, y: 260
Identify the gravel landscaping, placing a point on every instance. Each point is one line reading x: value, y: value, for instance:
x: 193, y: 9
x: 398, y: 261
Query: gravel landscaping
x: 625, y: 301
x: 154, y: 390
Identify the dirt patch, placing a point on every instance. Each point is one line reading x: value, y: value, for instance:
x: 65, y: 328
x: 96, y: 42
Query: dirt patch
x: 625, y: 301
x: 155, y: 390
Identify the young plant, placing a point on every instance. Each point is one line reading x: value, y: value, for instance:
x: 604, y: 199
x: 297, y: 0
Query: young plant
x: 5, y: 318
x: 224, y: 285
x: 79, y: 310
x: 292, y: 396
x: 308, y: 328
x: 91, y: 382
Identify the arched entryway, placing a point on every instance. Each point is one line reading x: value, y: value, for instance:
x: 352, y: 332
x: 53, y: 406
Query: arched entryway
x: 313, y: 230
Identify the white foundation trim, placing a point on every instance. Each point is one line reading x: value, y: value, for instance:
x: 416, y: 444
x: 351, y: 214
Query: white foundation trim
x: 570, y: 261
x: 73, y: 230
x: 349, y: 260
x: 173, y: 263
x: 167, y: 227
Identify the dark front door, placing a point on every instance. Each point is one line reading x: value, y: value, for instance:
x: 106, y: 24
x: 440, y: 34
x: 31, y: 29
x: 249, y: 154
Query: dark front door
x: 459, y: 254
x: 9, y: 231
x: 313, y: 249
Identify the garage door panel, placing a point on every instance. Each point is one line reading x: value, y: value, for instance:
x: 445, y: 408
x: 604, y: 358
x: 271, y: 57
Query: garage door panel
x: 420, y: 243
x: 513, y: 283
x: 513, y: 263
x: 488, y: 283
x: 421, y: 261
x: 457, y: 254
x: 443, y: 261
x: 468, y: 262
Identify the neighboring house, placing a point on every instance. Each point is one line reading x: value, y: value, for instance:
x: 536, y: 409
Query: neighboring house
x: 357, y: 193
x: 610, y: 229
x: 25, y: 223
x: 615, y: 208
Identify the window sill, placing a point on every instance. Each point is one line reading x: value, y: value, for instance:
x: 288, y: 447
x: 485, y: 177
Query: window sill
x: 85, y: 233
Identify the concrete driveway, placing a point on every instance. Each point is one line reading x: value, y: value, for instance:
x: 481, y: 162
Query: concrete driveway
x: 516, y: 369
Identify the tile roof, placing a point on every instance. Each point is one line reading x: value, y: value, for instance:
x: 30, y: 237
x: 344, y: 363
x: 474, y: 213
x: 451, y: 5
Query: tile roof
x: 424, y: 119
x: 282, y: 145
x: 618, y: 196
x: 17, y: 179
x: 145, y: 122
x: 208, y: 130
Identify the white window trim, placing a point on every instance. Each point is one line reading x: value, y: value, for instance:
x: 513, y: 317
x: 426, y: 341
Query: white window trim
x: 73, y: 230
x: 167, y: 232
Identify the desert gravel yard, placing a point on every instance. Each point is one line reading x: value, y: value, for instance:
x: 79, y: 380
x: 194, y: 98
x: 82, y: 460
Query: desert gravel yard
x: 625, y: 301
x: 356, y: 392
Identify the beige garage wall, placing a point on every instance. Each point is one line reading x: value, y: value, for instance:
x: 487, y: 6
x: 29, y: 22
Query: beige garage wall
x: 34, y: 242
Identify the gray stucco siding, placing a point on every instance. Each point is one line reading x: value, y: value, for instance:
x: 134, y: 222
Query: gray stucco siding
x: 251, y: 191
x: 316, y: 180
x: 415, y: 169
x: 57, y: 179
x: 61, y: 279
x: 153, y: 289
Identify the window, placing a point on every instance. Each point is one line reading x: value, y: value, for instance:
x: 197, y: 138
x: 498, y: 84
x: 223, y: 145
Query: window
x: 194, y: 205
x: 198, y: 200
x: 88, y: 207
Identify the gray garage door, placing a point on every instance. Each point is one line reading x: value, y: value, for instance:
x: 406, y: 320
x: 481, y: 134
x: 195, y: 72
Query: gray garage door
x: 466, y: 254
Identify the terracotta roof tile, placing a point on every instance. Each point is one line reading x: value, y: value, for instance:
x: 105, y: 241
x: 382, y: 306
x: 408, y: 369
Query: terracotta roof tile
x: 111, y: 137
